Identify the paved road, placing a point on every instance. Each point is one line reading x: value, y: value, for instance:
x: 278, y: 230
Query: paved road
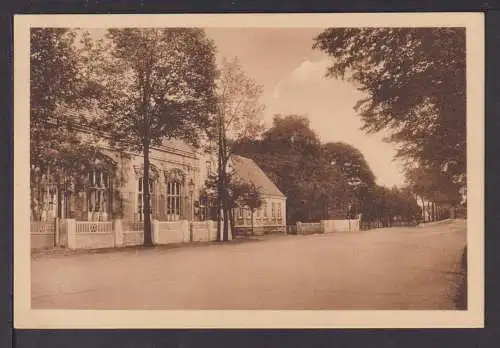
x: 398, y: 268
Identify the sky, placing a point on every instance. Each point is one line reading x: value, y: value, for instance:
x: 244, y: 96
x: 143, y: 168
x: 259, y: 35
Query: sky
x: 292, y: 75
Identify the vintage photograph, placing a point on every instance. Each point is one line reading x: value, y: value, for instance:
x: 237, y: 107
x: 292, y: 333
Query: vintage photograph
x: 248, y: 168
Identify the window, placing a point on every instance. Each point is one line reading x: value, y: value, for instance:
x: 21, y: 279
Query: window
x: 140, y: 198
x: 279, y: 210
x: 265, y: 209
x: 173, y: 200
x: 98, y: 195
x: 240, y: 213
x: 209, y: 168
x: 273, y: 210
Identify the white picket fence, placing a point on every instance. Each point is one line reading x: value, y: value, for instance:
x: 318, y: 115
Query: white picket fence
x: 93, y: 235
x: 93, y: 227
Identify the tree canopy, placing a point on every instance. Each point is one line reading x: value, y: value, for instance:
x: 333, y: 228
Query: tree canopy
x: 351, y: 162
x: 290, y: 154
x: 56, y: 84
x: 414, y: 84
x: 154, y: 84
x: 238, y: 116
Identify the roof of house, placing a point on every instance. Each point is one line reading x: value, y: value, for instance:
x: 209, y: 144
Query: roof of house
x: 77, y: 115
x: 248, y: 171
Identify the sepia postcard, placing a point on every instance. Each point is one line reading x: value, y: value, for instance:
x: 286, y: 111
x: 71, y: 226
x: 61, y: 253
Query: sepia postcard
x: 249, y: 171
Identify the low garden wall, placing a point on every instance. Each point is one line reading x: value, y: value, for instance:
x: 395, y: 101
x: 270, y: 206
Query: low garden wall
x: 43, y: 234
x: 133, y: 233
x: 328, y: 226
x: 91, y: 235
x: 352, y: 225
x: 74, y: 234
x: 203, y: 231
x: 165, y: 232
x: 308, y: 227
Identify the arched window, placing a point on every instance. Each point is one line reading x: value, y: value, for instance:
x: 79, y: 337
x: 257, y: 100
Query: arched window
x: 140, y: 197
x: 173, y: 200
x: 141, y: 190
x: 98, y: 195
x: 174, y: 181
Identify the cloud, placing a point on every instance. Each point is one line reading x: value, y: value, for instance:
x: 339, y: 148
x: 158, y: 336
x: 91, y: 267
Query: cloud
x: 308, y: 70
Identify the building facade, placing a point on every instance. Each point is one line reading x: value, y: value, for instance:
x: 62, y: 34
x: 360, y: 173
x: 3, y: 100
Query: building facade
x: 114, y: 188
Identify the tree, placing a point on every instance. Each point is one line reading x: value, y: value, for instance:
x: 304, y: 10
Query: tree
x: 351, y: 163
x: 155, y: 84
x: 248, y: 195
x: 59, y: 157
x: 414, y: 83
x: 314, y: 189
x: 238, y: 116
x: 435, y: 187
x: 355, y: 170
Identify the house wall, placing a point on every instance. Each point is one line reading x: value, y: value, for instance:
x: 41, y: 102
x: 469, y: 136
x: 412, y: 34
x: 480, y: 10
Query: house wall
x: 261, y: 223
x: 163, y: 162
x: 125, y: 182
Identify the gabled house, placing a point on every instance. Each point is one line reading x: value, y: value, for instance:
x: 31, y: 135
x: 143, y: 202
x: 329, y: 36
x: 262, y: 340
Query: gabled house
x: 271, y: 216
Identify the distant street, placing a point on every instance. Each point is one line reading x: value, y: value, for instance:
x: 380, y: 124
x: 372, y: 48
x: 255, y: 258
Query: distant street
x: 396, y: 268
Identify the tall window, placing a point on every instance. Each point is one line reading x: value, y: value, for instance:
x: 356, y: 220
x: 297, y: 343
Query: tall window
x: 98, y: 195
x: 173, y: 200
x: 209, y: 167
x: 264, y: 208
x: 140, y: 197
x: 273, y: 210
x: 279, y: 210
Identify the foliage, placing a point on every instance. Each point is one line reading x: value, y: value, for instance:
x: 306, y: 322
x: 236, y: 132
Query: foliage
x: 154, y: 84
x: 60, y: 156
x: 55, y: 85
x: 385, y: 205
x: 433, y: 185
x: 248, y: 194
x: 351, y: 163
x: 290, y: 154
x: 414, y: 85
x: 238, y: 113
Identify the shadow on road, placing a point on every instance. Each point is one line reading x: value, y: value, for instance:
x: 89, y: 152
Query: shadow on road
x: 461, y: 299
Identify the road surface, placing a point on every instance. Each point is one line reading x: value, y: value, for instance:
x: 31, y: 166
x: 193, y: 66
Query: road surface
x: 396, y: 268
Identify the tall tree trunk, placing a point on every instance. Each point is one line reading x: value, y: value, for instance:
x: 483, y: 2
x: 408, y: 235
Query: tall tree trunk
x: 232, y: 222
x: 252, y: 221
x: 225, y: 232
x: 148, y: 238
x: 219, y: 182
x: 225, y: 182
x: 423, y: 208
x: 429, y: 209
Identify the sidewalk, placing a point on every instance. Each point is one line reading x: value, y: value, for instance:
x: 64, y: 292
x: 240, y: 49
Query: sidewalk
x: 58, y: 251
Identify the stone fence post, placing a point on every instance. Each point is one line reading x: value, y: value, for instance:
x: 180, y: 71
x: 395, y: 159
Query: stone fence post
x: 118, y: 231
x: 212, y: 231
x: 71, y: 233
x: 184, y: 224
x: 323, y: 226
x: 299, y: 227
x: 155, y: 231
